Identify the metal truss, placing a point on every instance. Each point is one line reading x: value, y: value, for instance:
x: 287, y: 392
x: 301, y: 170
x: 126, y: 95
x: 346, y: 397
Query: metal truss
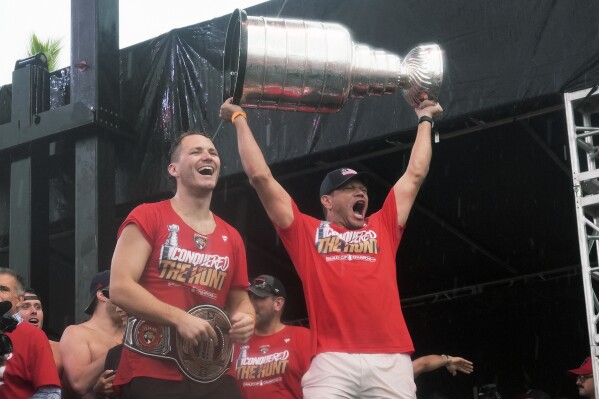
x: 582, y: 118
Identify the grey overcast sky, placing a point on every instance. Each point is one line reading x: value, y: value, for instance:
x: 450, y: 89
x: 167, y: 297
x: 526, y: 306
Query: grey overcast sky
x: 138, y: 20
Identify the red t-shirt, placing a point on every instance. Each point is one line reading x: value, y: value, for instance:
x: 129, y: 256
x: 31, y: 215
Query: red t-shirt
x: 31, y: 364
x: 349, y: 280
x: 272, y: 366
x: 185, y: 269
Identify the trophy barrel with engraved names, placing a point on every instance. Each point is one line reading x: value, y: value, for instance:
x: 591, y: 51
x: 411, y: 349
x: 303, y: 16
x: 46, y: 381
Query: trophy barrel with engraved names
x: 310, y: 66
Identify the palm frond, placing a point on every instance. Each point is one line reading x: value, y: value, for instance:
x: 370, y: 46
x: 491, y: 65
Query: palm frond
x: 51, y: 49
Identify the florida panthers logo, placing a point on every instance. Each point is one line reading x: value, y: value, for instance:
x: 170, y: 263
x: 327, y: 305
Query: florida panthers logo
x: 149, y: 334
x: 200, y: 240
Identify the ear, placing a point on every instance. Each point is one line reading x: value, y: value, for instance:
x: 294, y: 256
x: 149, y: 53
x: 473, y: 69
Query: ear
x: 100, y: 297
x: 20, y: 300
x: 172, y: 170
x: 279, y: 302
x: 325, y: 200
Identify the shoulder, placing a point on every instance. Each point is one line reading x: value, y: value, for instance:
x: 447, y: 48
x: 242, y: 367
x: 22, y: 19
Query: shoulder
x: 297, y: 212
x: 54, y: 346
x: 28, y: 329
x: 226, y: 226
x: 27, y: 335
x: 76, y: 332
x: 297, y: 330
x: 221, y: 222
x: 300, y: 219
x: 146, y: 217
x: 304, y: 332
x: 300, y: 339
x: 151, y: 207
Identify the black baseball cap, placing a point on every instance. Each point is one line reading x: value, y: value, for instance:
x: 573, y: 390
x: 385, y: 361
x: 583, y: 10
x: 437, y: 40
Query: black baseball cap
x: 338, y: 177
x: 100, y: 281
x: 265, y: 285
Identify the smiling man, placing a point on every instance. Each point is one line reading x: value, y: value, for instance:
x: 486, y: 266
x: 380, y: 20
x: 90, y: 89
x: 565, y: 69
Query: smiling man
x: 32, y: 311
x: 170, y: 257
x: 360, y: 341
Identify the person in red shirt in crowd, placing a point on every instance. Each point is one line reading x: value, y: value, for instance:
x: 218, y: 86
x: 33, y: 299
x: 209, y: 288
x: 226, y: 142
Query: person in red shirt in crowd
x: 584, y: 378
x: 272, y: 363
x: 29, y: 371
x: 170, y: 257
x: 360, y: 341
x: 32, y: 311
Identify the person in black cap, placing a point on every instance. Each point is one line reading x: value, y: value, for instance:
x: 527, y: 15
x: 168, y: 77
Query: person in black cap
x: 273, y: 362
x: 83, y: 347
x: 347, y: 266
x: 584, y: 378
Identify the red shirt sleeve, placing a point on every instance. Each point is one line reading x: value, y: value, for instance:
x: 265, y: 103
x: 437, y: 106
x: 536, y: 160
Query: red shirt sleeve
x: 42, y: 368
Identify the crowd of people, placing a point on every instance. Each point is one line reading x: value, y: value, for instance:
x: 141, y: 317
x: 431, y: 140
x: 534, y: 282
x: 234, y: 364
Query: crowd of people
x: 156, y: 328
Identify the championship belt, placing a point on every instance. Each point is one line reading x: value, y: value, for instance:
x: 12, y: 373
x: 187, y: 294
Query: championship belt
x: 203, y: 363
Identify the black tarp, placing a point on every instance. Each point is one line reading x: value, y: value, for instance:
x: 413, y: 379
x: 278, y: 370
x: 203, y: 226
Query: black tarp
x: 501, y: 56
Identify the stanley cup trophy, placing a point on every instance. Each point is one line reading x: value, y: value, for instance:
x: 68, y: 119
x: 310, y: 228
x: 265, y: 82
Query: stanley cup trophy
x: 310, y: 66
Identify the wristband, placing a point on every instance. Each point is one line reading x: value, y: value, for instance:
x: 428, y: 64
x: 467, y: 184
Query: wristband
x: 426, y: 119
x: 238, y: 113
x: 447, y: 358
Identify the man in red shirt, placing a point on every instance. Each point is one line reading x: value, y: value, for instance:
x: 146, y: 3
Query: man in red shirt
x: 30, y: 369
x: 272, y: 363
x: 347, y: 266
x: 32, y: 311
x: 170, y: 257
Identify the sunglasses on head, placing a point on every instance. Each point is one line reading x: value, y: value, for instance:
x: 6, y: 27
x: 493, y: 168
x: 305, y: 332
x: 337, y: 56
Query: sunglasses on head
x: 263, y: 285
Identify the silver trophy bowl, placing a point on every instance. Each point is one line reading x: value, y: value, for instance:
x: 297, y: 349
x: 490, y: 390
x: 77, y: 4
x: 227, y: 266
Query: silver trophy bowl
x: 311, y: 66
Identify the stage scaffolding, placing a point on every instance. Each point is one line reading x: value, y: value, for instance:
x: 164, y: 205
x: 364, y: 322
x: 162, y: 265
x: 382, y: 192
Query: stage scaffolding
x: 582, y: 118
x: 90, y: 121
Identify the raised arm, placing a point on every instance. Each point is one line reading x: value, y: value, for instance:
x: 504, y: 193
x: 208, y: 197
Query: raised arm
x: 453, y: 364
x: 408, y: 185
x: 273, y: 196
x: 128, y: 262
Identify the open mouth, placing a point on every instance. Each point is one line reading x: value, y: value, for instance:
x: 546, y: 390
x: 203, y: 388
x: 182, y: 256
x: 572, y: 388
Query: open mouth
x: 33, y: 320
x: 206, y: 170
x: 359, y: 208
